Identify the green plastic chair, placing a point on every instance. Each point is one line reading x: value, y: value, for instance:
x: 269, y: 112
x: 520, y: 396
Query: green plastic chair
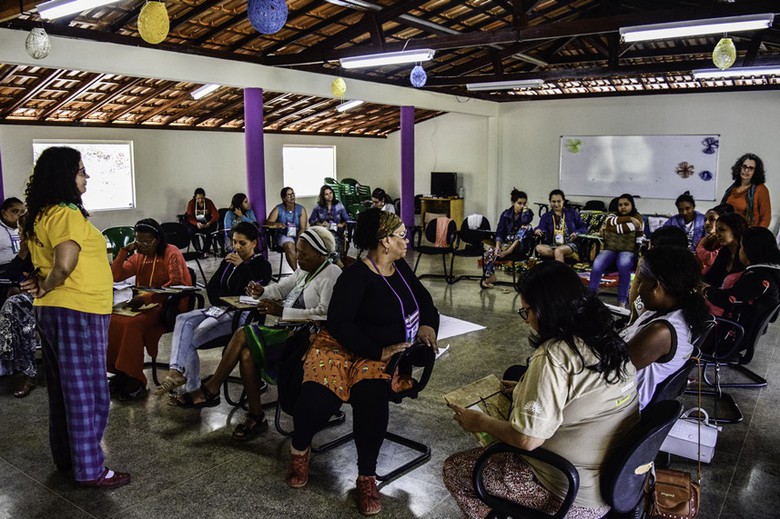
x: 118, y: 237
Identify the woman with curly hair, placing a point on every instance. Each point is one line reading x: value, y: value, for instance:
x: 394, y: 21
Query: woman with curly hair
x: 73, y: 297
x: 727, y: 265
x: 578, y: 390
x: 748, y: 195
x: 156, y: 264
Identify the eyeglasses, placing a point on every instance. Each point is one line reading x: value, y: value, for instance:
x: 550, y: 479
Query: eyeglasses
x: 290, y: 195
x: 748, y: 168
x: 148, y: 242
x: 523, y: 312
x: 401, y: 234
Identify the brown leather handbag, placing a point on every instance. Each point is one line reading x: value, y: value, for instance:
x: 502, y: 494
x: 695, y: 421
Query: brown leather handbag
x: 671, y: 494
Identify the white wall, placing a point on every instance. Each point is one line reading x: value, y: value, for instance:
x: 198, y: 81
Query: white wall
x: 170, y: 164
x: 529, y: 134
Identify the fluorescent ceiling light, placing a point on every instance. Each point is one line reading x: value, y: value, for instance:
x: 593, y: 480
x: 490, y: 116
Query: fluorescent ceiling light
x: 671, y: 30
x: 58, y: 8
x: 529, y: 59
x: 349, y: 105
x: 505, y: 85
x: 736, y: 72
x: 387, y: 58
x: 204, y: 90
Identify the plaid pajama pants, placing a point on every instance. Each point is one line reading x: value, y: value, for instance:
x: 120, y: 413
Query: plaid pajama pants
x: 74, y: 358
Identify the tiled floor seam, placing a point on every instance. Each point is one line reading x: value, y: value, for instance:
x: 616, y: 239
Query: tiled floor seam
x: 47, y: 489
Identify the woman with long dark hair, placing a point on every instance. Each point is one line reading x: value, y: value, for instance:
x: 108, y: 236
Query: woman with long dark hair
x: 621, y: 230
x: 381, y: 200
x: 331, y: 214
x: 578, y: 391
x: 155, y: 264
x: 239, y: 211
x: 758, y: 288
x: 708, y: 247
x: 727, y: 265
x: 513, y: 233
x: 748, y: 195
x: 10, y: 210
x: 661, y: 339
x: 73, y: 298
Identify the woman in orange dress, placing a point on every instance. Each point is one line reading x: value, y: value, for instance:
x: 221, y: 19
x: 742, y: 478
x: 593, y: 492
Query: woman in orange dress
x: 156, y: 264
x: 748, y: 195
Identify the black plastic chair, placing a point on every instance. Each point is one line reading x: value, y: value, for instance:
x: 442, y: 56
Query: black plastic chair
x: 219, y: 238
x: 271, y: 242
x: 471, y: 238
x: 421, y: 356
x: 176, y: 234
x: 430, y: 235
x: 170, y: 309
x: 622, y: 475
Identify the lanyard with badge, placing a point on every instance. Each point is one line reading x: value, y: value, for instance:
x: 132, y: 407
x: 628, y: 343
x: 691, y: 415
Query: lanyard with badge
x: 301, y: 285
x: 559, y: 230
x: 15, y: 239
x: 412, y: 321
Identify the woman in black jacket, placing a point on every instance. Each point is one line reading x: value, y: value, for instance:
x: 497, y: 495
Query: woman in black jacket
x: 198, y: 327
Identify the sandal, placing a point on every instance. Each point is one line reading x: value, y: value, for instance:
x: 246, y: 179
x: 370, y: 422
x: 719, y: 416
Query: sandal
x: 186, y: 400
x: 168, y: 385
x: 127, y: 396
x: 253, y: 426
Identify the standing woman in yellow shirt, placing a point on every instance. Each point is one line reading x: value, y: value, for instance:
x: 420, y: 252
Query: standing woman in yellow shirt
x: 72, y: 287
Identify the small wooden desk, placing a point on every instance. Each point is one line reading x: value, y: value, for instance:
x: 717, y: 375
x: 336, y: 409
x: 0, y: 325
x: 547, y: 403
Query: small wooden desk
x: 452, y: 207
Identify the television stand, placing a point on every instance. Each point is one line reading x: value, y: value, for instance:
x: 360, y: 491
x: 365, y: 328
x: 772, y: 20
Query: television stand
x: 451, y: 206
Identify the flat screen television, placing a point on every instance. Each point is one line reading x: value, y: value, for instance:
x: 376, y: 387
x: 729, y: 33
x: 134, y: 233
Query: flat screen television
x: 444, y: 184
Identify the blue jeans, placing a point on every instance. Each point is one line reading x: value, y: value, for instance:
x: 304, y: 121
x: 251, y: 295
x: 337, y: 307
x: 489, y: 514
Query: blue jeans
x: 625, y: 265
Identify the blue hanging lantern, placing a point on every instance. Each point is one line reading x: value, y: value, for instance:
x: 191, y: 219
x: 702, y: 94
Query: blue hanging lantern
x: 267, y: 16
x: 418, y: 77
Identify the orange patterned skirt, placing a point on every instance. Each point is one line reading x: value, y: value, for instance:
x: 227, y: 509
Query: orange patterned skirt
x: 329, y: 364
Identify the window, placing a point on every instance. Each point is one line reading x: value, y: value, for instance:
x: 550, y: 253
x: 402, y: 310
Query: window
x: 109, y: 165
x: 305, y: 167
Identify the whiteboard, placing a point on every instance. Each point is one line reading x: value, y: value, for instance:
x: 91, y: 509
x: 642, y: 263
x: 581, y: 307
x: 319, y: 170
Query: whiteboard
x: 652, y: 166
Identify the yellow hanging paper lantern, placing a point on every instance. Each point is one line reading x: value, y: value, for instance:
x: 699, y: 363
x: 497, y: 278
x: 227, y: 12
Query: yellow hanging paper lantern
x: 338, y: 88
x: 153, y: 22
x: 725, y: 54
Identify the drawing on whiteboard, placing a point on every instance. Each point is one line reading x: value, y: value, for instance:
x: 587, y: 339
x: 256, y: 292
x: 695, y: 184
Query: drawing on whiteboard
x: 573, y: 145
x: 705, y: 175
x: 710, y: 143
x: 684, y: 169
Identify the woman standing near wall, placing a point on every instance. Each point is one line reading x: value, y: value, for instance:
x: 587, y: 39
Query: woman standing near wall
x: 748, y: 195
x: 73, y: 298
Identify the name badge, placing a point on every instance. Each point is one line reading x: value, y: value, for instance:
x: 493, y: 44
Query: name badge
x: 292, y: 231
x: 412, y: 325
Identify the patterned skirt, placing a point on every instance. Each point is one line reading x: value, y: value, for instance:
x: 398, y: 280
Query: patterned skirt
x: 18, y: 336
x: 329, y: 364
x: 508, y: 476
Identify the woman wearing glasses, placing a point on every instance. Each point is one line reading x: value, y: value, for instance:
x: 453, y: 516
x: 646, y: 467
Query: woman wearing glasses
x: 748, y: 195
x: 155, y: 264
x: 290, y: 219
x: 378, y: 308
x: 578, y: 391
x: 73, y: 295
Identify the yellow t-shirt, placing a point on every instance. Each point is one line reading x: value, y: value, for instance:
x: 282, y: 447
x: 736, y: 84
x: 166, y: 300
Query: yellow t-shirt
x: 89, y: 288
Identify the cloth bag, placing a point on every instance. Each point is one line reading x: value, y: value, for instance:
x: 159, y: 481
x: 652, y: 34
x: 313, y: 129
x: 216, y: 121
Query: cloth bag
x: 684, y: 436
x: 670, y: 494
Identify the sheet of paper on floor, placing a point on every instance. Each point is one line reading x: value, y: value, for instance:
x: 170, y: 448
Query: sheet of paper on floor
x: 450, y: 327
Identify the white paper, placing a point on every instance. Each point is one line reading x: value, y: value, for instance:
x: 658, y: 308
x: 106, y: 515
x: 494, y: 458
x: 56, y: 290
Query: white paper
x: 248, y: 300
x: 442, y: 351
x: 450, y: 327
x: 122, y: 296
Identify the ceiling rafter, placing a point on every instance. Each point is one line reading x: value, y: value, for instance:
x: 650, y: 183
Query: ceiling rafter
x: 87, y: 84
x: 164, y: 85
x: 112, y: 96
x: 33, y: 91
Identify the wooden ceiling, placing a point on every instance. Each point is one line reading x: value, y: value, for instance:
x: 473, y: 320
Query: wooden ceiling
x: 573, y: 45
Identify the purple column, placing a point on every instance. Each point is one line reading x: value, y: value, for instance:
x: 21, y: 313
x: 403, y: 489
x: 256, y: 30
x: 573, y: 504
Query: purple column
x: 407, y: 165
x: 2, y: 189
x: 255, y: 152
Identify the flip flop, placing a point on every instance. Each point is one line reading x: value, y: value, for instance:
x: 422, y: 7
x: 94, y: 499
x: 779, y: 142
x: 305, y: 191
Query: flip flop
x: 186, y: 401
x: 244, y: 432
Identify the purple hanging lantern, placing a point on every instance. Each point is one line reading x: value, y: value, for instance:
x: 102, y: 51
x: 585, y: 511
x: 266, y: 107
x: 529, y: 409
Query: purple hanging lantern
x: 267, y: 16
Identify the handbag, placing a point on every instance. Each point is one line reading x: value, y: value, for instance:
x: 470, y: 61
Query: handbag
x: 683, y: 438
x: 671, y: 495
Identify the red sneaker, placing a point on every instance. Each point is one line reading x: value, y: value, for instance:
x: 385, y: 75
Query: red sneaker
x: 368, y: 496
x: 298, y: 475
x: 118, y: 479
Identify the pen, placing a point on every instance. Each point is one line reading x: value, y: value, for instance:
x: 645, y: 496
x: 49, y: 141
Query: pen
x: 34, y: 273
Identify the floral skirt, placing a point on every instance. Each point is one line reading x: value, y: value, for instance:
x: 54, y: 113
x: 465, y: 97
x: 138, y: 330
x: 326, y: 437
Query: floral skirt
x: 18, y: 336
x: 506, y: 475
x: 329, y: 364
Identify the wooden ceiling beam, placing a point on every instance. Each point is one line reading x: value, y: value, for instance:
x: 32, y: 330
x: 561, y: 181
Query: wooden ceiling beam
x: 192, y: 13
x: 200, y: 103
x: 315, y: 106
x: 184, y: 96
x: 10, y: 9
x: 230, y: 22
x: 112, y: 96
x: 222, y: 113
x: 86, y: 85
x: 35, y: 88
x: 554, y: 30
x: 165, y: 85
x: 753, y: 48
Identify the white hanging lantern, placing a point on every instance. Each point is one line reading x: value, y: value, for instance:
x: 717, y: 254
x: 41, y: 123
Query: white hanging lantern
x: 37, y: 43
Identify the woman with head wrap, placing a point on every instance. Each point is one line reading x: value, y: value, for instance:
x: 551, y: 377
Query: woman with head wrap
x: 304, y: 296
